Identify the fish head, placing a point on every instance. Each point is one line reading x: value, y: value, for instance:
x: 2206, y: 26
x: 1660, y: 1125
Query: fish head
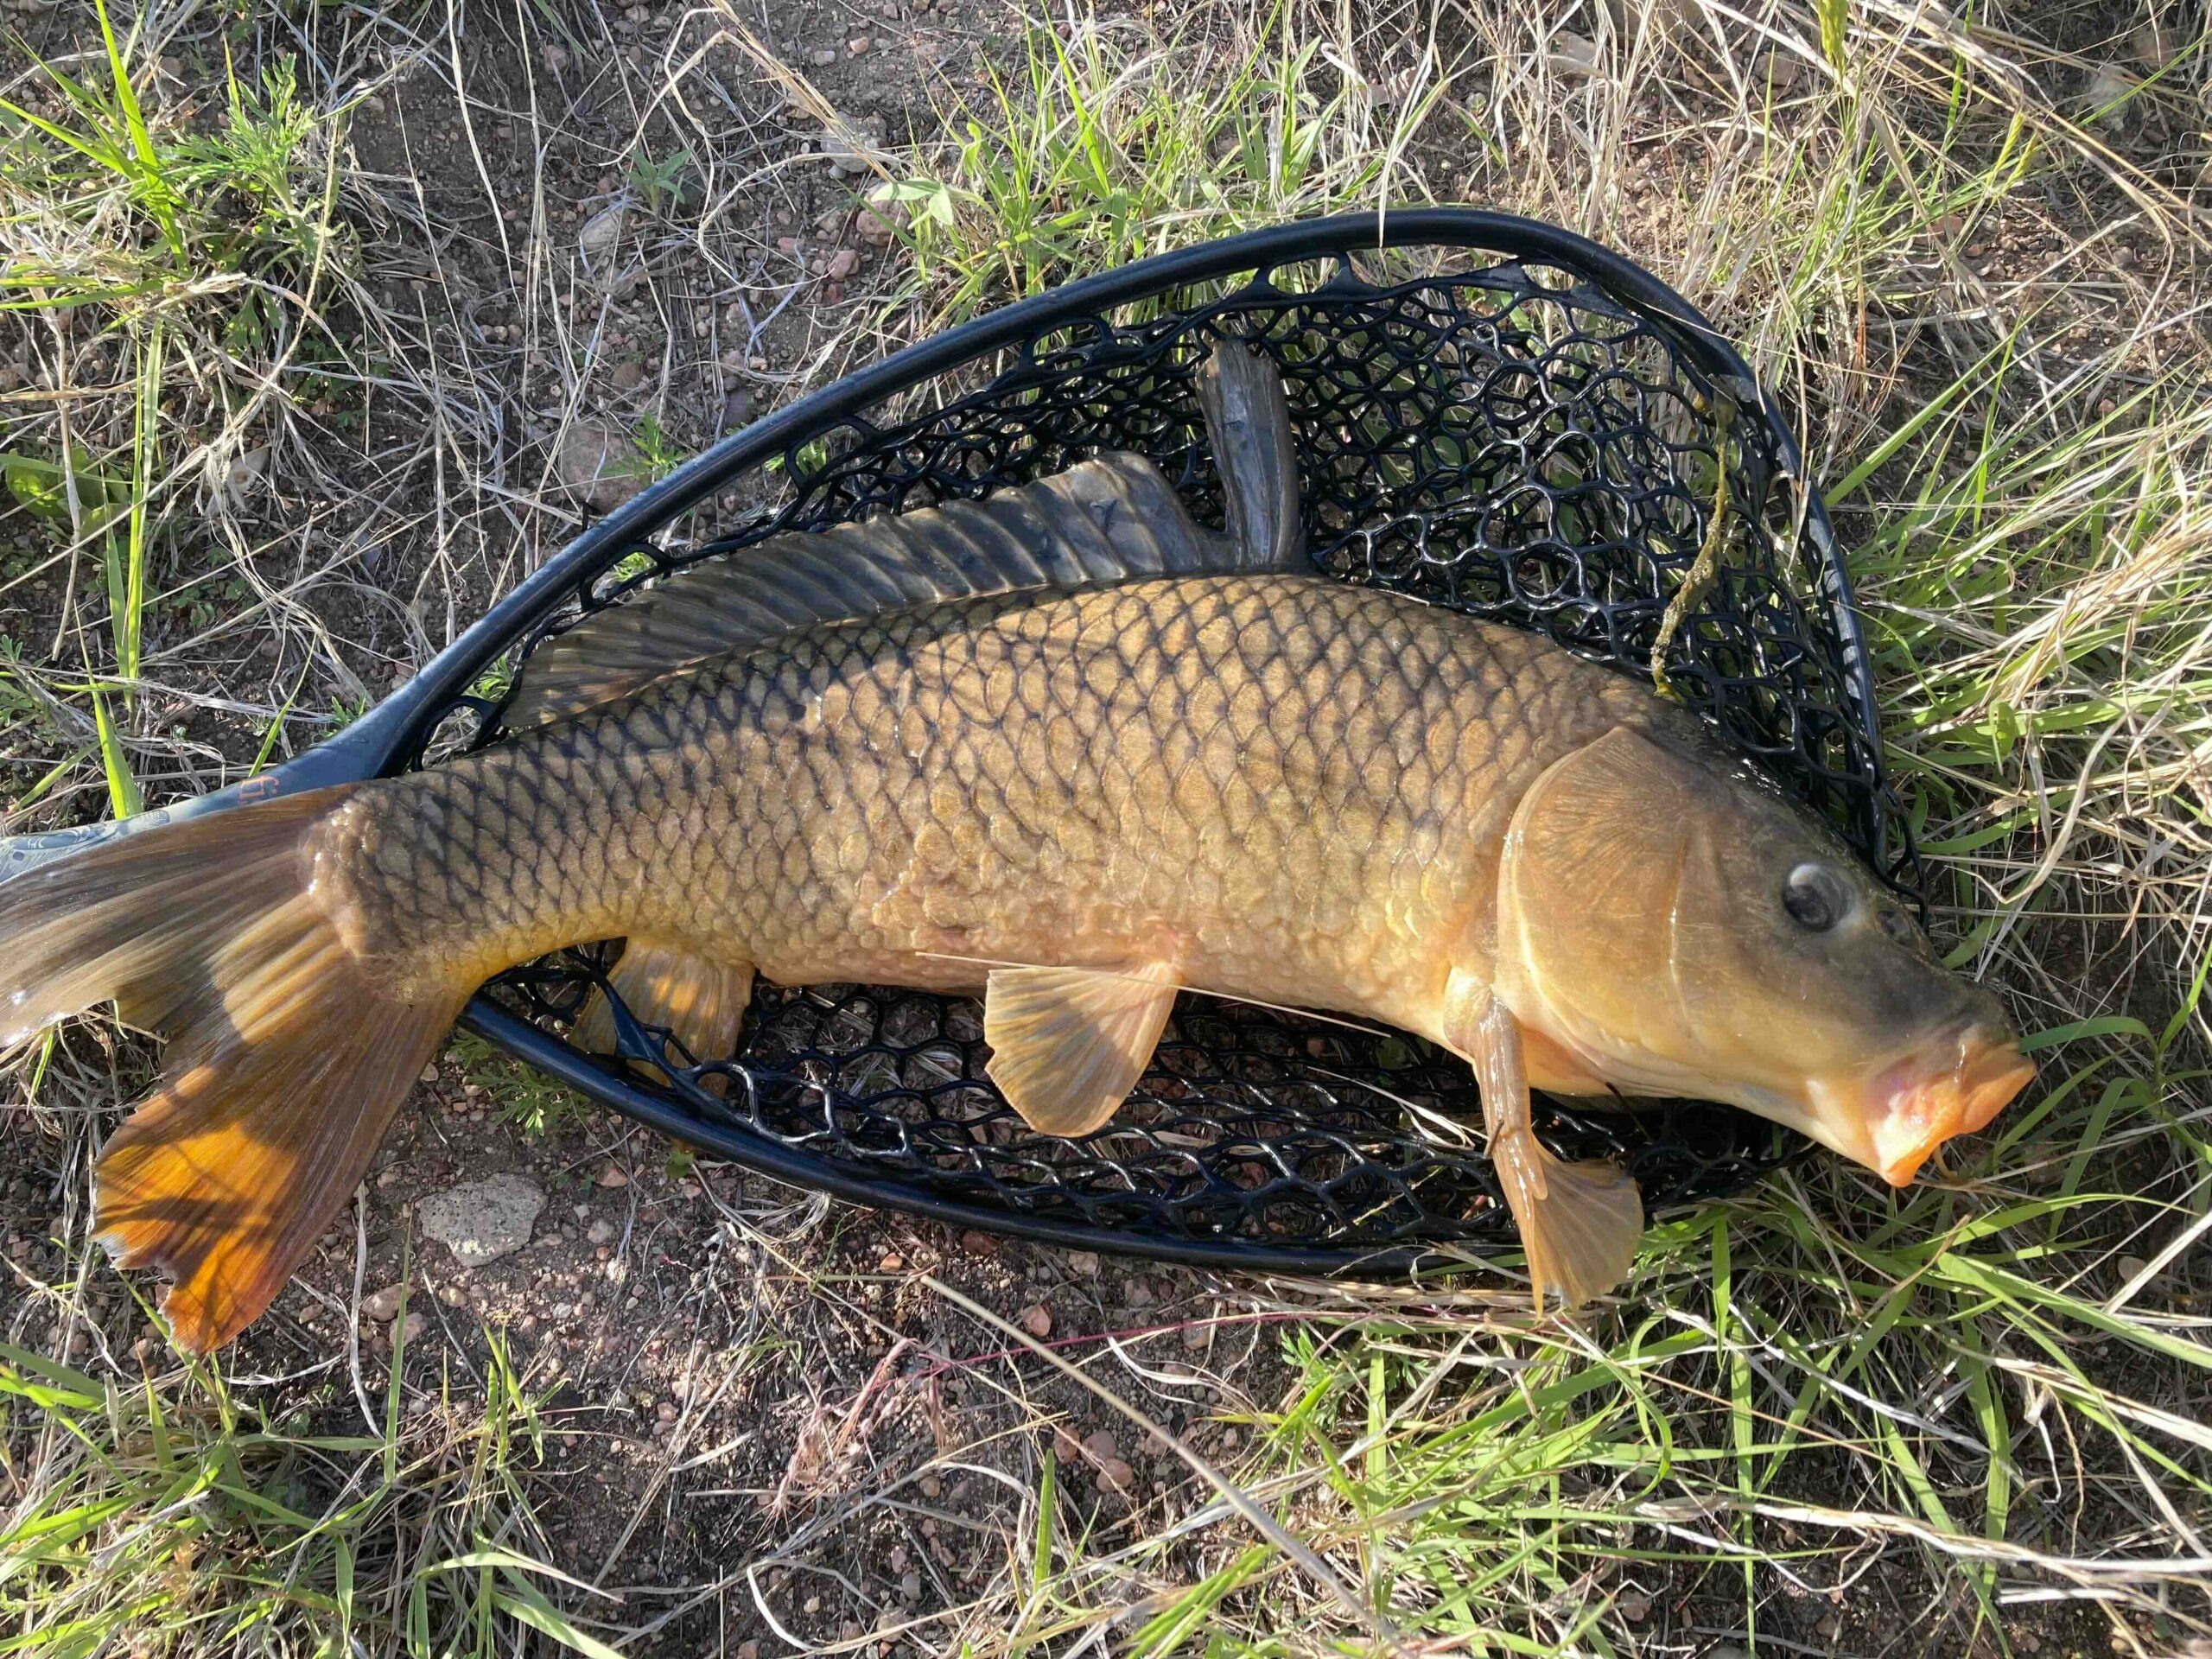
x: 1681, y: 927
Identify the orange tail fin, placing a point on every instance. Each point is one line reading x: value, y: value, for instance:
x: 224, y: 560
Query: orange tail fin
x: 286, y: 1059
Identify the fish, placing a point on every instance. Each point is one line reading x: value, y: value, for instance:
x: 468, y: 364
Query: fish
x: 1060, y: 745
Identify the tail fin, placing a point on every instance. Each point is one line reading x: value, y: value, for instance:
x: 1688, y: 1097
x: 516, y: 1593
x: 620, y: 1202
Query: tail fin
x: 286, y: 1057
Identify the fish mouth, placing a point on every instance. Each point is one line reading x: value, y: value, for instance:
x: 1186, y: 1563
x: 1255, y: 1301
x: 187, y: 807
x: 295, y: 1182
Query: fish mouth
x: 1908, y: 1109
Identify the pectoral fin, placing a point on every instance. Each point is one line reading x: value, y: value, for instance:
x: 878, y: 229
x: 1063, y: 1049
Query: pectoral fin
x: 1068, y: 1044
x: 702, y: 1001
x: 1580, y: 1223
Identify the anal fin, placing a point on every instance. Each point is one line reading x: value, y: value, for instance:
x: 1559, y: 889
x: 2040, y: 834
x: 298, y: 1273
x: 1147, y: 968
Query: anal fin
x: 701, y: 1000
x: 1068, y: 1044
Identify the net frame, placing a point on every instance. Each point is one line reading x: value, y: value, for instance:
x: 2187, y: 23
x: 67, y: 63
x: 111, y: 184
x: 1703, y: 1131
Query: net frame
x: 1492, y: 415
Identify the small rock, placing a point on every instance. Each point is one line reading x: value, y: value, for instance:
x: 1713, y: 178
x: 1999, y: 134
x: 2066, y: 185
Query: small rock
x: 601, y: 233
x: 1101, y: 1444
x: 824, y: 58
x: 411, y: 1327
x: 601, y: 1231
x: 380, y: 1306
x: 748, y: 1650
x: 482, y: 1221
x: 858, y: 45
x: 2129, y: 1267
x: 666, y: 1411
x: 979, y: 1244
x: 429, y: 1074
x: 453, y: 1295
x: 555, y: 58
x: 852, y: 144
x: 629, y: 377
x: 613, y: 1175
x: 2105, y: 97
x: 737, y: 410
x: 1633, y: 1607
x: 1082, y: 1263
x: 1196, y: 1336
x: 599, y: 465
x: 1573, y: 55
x: 1037, y: 1320
x: 931, y: 1486
x: 884, y: 216
x: 2158, y: 41
x: 842, y: 264
x: 910, y: 1585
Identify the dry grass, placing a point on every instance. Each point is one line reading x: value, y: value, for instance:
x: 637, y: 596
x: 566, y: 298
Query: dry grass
x: 286, y: 383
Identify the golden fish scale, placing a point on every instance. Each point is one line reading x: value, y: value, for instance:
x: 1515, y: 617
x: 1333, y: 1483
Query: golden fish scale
x: 1290, y: 787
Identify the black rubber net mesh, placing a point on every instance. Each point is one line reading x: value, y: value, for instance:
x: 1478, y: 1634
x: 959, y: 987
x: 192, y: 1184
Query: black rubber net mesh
x: 1497, y: 435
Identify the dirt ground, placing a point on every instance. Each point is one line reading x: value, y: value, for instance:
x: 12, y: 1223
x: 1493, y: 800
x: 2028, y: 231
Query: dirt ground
x: 753, y: 1392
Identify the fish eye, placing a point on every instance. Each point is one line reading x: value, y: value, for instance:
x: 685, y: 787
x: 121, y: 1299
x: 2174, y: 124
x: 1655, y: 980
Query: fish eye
x: 1816, y: 897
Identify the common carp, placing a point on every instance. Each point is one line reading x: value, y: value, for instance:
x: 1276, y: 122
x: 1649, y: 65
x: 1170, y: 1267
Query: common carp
x: 1061, y: 745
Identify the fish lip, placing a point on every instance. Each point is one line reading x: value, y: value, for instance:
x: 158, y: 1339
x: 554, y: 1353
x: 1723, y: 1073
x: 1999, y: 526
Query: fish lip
x: 1951, y: 1088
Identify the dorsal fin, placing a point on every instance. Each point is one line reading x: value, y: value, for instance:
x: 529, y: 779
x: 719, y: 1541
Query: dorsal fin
x: 1110, y: 519
x: 1104, y: 521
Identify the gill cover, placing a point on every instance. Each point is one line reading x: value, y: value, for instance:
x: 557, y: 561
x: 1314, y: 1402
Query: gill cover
x: 1680, y: 928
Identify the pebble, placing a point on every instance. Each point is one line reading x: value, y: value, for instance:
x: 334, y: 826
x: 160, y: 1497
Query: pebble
x: 602, y: 232
x: 666, y: 1411
x: 598, y: 465
x: 483, y: 1221
x: 931, y: 1486
x: 2130, y: 1266
x: 979, y: 1244
x: 843, y: 264
x: 858, y: 45
x: 453, y: 1295
x: 824, y: 58
x: 893, y: 1263
x: 601, y: 1231
x: 847, y: 141
x: 429, y: 1074
x: 1037, y: 1320
x: 613, y: 1175
x: 413, y: 1326
x: 1082, y: 1263
x: 881, y: 220
x: 380, y: 1306
x: 910, y: 1585
x: 629, y: 377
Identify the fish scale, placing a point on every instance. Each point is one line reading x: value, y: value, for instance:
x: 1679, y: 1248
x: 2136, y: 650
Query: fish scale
x: 1283, y: 783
